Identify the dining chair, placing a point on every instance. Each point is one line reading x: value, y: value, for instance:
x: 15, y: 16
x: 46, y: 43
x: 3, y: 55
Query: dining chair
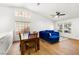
x: 29, y: 44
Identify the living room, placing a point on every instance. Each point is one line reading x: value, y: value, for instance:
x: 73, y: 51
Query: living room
x: 55, y: 23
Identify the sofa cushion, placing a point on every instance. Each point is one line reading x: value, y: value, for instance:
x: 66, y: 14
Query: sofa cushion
x: 55, y: 33
x: 54, y: 36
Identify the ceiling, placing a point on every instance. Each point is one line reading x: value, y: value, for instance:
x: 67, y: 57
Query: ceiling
x: 47, y: 9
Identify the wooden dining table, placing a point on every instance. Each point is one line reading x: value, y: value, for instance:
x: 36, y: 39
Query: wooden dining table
x: 33, y: 38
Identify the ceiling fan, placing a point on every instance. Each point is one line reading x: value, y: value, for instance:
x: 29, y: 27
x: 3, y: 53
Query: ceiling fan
x: 58, y: 14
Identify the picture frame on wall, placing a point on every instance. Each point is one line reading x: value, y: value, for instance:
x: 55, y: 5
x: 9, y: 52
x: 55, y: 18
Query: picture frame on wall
x: 67, y: 27
x: 60, y: 27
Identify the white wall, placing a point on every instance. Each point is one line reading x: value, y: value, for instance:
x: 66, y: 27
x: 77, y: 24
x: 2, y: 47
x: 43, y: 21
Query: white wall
x: 6, y: 19
x: 74, y: 28
x: 6, y: 27
x: 38, y: 23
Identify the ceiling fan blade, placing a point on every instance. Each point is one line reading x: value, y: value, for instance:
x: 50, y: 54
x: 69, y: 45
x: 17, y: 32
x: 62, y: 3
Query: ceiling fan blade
x: 57, y: 13
x: 62, y: 14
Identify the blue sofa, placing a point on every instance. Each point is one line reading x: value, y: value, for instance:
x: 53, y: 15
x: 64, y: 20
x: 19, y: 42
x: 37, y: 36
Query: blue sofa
x: 49, y: 35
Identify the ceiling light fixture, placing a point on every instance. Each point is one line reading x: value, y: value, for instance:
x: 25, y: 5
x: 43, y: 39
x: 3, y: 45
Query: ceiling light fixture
x: 38, y: 4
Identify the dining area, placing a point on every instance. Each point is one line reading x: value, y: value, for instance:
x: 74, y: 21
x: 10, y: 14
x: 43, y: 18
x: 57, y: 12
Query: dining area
x: 29, y: 40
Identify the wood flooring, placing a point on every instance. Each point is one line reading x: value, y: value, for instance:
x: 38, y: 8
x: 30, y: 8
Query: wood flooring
x: 65, y: 47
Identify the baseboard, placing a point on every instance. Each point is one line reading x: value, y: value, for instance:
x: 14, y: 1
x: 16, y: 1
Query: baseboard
x: 69, y: 38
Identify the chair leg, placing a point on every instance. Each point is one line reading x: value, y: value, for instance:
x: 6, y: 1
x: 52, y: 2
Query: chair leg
x: 29, y: 53
x: 35, y: 48
x: 22, y: 53
x: 22, y: 49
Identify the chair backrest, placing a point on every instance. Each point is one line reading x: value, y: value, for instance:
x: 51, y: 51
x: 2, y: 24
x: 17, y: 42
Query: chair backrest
x: 20, y: 36
x: 55, y: 33
x: 20, y: 40
x: 33, y: 35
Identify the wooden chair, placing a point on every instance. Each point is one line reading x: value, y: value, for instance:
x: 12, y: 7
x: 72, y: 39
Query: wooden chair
x: 29, y: 44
